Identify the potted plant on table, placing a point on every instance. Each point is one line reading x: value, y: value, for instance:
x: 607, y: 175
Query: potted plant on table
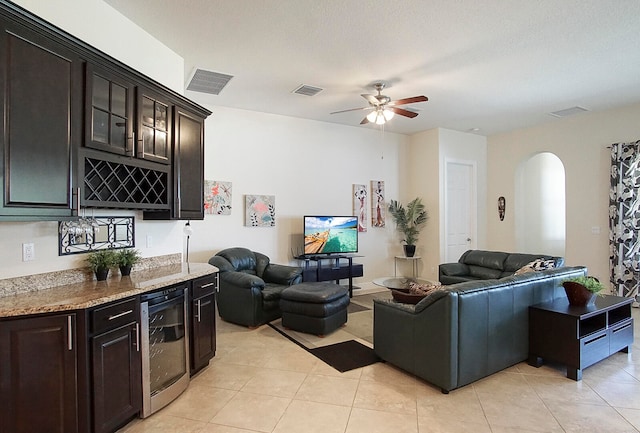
x: 100, y: 262
x: 409, y: 222
x: 582, y: 290
x: 126, y: 259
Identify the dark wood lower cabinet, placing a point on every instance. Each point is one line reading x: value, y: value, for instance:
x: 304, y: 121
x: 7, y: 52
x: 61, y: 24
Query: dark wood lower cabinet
x: 38, y: 373
x: 203, y: 322
x: 117, y: 393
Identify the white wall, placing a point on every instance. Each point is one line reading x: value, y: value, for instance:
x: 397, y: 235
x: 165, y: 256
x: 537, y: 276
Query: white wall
x: 581, y: 144
x: 309, y: 167
x: 100, y: 25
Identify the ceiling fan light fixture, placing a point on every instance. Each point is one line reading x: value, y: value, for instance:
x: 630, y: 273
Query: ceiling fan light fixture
x: 373, y: 116
x: 388, y: 114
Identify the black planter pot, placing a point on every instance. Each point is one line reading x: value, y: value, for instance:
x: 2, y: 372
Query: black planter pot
x: 409, y: 250
x: 102, y: 274
x: 125, y: 270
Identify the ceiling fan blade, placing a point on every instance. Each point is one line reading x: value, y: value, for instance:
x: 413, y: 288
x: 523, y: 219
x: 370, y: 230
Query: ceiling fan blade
x: 402, y: 112
x: 372, y: 99
x: 352, y: 109
x: 364, y: 121
x: 404, y: 101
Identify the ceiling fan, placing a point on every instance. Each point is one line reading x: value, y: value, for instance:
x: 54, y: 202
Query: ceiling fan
x: 383, y: 108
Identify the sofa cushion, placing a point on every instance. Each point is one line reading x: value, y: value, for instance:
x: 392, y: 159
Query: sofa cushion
x: 485, y: 259
x: 484, y: 273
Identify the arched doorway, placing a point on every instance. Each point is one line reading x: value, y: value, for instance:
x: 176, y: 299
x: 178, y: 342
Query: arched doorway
x: 540, y: 205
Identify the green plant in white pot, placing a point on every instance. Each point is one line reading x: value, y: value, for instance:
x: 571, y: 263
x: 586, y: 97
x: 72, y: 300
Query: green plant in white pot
x: 409, y: 221
x: 100, y: 262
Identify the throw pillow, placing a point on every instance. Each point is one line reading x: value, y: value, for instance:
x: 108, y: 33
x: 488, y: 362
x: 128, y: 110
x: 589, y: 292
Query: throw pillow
x: 536, y: 265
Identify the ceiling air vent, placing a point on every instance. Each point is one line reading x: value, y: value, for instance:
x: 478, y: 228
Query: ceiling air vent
x: 568, y: 112
x: 307, y: 90
x: 208, y: 81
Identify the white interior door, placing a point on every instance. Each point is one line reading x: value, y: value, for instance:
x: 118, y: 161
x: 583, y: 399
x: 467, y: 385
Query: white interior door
x: 460, y: 208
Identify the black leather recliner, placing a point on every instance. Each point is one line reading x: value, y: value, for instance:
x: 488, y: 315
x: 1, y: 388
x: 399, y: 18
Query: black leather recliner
x: 250, y: 286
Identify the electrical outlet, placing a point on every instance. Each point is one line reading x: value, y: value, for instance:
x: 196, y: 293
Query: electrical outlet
x: 28, y: 252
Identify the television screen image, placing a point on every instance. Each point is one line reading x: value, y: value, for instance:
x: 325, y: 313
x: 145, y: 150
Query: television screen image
x: 330, y: 234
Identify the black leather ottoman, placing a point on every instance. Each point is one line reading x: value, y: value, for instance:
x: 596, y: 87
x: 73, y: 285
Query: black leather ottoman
x: 314, y: 308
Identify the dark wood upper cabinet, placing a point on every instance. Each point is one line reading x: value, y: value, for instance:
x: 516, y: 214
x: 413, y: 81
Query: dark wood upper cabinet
x: 108, y: 111
x: 188, y: 170
x: 40, y: 124
x: 38, y: 373
x: 79, y: 128
x: 154, y: 127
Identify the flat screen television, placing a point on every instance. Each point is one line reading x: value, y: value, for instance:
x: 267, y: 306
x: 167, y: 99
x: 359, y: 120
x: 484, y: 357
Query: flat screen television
x: 325, y: 234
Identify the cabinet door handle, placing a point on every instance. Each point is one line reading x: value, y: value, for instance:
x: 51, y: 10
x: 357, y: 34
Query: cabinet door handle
x: 204, y: 286
x: 137, y: 337
x: 69, y: 333
x: 124, y: 313
x: 129, y: 147
x: 204, y: 304
x: 198, y: 313
x: 77, y: 209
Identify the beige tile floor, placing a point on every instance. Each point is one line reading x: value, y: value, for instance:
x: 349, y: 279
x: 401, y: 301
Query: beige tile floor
x: 261, y: 382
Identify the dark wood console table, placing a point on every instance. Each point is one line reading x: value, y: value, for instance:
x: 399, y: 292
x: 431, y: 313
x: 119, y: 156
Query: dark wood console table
x: 331, y: 267
x: 579, y: 336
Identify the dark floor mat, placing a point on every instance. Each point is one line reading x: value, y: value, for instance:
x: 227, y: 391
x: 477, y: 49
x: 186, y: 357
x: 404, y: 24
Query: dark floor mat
x: 346, y: 356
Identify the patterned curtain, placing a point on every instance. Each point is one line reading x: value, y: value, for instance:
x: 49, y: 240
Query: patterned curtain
x: 624, y: 218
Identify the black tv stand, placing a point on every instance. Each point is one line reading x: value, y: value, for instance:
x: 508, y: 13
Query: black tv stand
x: 336, y: 270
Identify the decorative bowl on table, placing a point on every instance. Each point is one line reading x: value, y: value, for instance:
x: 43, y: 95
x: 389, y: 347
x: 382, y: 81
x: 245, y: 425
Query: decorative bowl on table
x: 403, y: 296
x: 409, y: 290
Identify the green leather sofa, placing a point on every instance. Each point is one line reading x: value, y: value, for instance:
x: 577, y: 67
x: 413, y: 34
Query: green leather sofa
x: 466, y: 331
x: 484, y: 265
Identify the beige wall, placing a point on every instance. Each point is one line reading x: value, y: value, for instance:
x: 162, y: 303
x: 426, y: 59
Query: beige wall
x: 429, y: 151
x: 581, y: 144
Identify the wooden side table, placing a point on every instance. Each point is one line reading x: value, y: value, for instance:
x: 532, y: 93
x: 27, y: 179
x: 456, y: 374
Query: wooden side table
x: 579, y: 336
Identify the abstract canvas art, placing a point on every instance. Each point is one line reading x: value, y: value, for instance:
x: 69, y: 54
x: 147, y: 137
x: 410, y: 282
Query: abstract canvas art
x: 260, y: 211
x: 378, y: 203
x: 360, y: 206
x: 217, y: 197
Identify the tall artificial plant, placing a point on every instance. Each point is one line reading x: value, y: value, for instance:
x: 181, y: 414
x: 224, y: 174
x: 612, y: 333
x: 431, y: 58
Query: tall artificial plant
x: 409, y: 220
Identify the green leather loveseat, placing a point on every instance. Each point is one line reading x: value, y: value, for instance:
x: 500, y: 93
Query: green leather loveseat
x: 466, y: 331
x: 484, y: 265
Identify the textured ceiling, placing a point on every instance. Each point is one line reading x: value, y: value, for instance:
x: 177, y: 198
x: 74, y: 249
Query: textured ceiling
x: 495, y: 65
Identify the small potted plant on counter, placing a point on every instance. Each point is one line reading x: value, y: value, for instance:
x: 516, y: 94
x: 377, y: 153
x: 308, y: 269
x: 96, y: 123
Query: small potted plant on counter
x: 126, y: 259
x: 100, y: 262
x: 582, y: 290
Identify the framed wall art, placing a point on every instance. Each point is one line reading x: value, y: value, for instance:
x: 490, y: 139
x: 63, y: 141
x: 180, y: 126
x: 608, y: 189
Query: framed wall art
x: 217, y: 197
x: 260, y: 211
x: 360, y: 206
x: 378, y: 204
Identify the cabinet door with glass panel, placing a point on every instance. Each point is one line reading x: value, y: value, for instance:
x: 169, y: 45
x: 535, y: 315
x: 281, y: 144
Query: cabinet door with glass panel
x: 153, y: 131
x: 109, y: 109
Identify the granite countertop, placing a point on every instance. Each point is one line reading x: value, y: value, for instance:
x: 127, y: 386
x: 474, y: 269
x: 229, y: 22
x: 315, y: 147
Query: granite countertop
x: 88, y: 294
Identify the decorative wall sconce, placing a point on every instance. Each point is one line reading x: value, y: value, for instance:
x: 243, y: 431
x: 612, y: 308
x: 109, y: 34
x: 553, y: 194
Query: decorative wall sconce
x: 95, y: 233
x: 502, y: 205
